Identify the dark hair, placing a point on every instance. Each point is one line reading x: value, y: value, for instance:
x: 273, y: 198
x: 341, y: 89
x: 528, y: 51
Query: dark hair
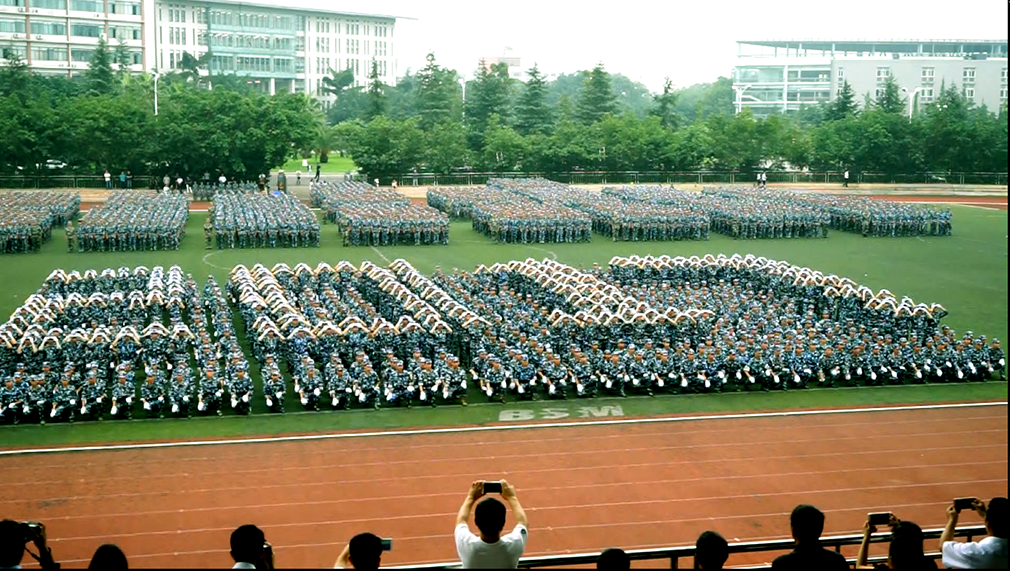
x: 109, y: 556
x: 807, y: 523
x: 490, y: 516
x: 12, y: 543
x: 613, y: 558
x: 247, y: 543
x: 906, y: 550
x: 365, y: 551
x: 711, y: 551
x: 995, y: 516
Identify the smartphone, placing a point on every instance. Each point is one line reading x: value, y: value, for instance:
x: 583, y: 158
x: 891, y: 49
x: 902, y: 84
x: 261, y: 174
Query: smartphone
x: 879, y: 518
x: 963, y: 503
x: 387, y: 544
x: 492, y: 487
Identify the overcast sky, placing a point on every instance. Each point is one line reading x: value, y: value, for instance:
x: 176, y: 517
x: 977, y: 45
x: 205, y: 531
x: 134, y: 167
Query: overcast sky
x: 691, y: 42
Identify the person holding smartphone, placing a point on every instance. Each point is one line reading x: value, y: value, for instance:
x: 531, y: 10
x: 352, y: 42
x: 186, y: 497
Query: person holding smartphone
x: 249, y: 548
x: 991, y: 551
x: 363, y: 552
x: 490, y: 550
x: 905, y: 550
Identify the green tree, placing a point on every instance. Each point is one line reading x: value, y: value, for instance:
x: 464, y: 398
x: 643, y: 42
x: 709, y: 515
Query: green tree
x: 446, y: 149
x: 122, y: 57
x: 189, y: 66
x: 844, y: 105
x: 533, y: 114
x: 504, y: 148
x: 99, y: 77
x: 890, y: 99
x: 384, y: 148
x: 438, y: 94
x: 337, y: 81
x: 376, y: 95
x: 489, y: 94
x: 14, y: 75
x: 664, y: 106
x: 597, y: 97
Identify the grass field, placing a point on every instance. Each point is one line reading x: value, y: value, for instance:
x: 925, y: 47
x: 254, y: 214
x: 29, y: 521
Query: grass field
x: 335, y: 165
x: 967, y: 273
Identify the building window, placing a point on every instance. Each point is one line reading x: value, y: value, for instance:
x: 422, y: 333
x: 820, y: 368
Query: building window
x: 77, y: 54
x: 49, y: 28
x: 86, y: 6
x: 12, y: 26
x: 49, y: 54
x: 10, y: 51
x: 124, y: 33
x: 123, y: 8
x: 926, y: 95
x: 968, y: 75
x: 85, y: 30
x: 1002, y: 75
x: 12, y: 2
x: 928, y: 73
x: 49, y: 4
x: 1003, y: 94
x: 883, y: 73
x: 969, y: 93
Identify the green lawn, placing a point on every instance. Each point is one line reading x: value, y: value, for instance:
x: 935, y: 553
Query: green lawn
x: 335, y: 165
x: 967, y: 273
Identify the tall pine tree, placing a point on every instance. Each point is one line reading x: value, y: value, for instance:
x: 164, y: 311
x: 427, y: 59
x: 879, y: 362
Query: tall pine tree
x: 665, y: 106
x: 533, y: 114
x: 844, y: 106
x: 99, y: 78
x: 890, y: 99
x: 436, y: 93
x: 597, y: 96
x: 376, y: 93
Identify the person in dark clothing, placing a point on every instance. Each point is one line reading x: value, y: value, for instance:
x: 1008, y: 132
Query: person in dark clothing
x: 807, y: 523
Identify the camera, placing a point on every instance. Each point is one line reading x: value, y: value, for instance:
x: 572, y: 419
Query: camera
x: 32, y: 530
x: 387, y: 544
x: 879, y: 518
x: 492, y: 487
x: 964, y: 504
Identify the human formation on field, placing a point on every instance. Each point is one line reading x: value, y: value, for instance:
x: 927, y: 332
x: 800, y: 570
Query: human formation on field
x: 119, y: 342
x: 371, y: 216
x: 241, y: 218
x: 28, y: 217
x: 132, y: 220
x: 538, y: 211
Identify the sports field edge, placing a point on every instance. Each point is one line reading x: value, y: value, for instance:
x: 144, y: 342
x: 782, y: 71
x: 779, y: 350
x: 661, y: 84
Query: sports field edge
x: 498, y: 426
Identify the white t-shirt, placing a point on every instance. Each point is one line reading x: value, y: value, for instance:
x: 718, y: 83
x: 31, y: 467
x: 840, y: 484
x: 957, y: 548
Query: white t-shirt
x: 990, y: 553
x: 505, y: 554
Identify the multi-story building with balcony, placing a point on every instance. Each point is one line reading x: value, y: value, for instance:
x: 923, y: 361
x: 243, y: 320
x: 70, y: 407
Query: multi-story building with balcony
x: 273, y: 47
x: 784, y: 76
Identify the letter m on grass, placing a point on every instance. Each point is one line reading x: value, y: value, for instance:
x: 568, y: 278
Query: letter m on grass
x: 592, y: 411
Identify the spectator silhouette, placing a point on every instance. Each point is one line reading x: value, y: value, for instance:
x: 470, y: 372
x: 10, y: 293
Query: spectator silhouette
x: 710, y: 551
x: 614, y: 559
x: 490, y: 550
x: 249, y: 548
x: 14, y: 537
x: 905, y: 550
x: 109, y: 557
x: 990, y: 552
x: 363, y: 552
x: 807, y: 523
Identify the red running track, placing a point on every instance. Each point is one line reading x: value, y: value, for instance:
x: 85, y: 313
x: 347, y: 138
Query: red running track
x: 585, y: 488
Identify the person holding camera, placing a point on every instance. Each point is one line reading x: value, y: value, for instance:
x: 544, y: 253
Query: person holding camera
x: 490, y: 550
x: 14, y: 540
x: 905, y: 550
x: 363, y: 552
x: 991, y: 552
x: 249, y: 548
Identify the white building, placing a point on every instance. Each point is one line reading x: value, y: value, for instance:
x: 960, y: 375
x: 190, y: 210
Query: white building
x: 783, y: 76
x: 276, y: 47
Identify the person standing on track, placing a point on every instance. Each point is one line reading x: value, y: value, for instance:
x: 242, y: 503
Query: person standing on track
x: 490, y: 550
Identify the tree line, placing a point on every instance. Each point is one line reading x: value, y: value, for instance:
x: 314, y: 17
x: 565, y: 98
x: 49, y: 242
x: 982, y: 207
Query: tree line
x: 589, y: 120
x: 593, y: 120
x: 104, y: 119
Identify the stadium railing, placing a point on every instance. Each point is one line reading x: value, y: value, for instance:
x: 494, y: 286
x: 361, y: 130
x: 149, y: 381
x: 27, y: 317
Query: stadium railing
x: 674, y: 555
